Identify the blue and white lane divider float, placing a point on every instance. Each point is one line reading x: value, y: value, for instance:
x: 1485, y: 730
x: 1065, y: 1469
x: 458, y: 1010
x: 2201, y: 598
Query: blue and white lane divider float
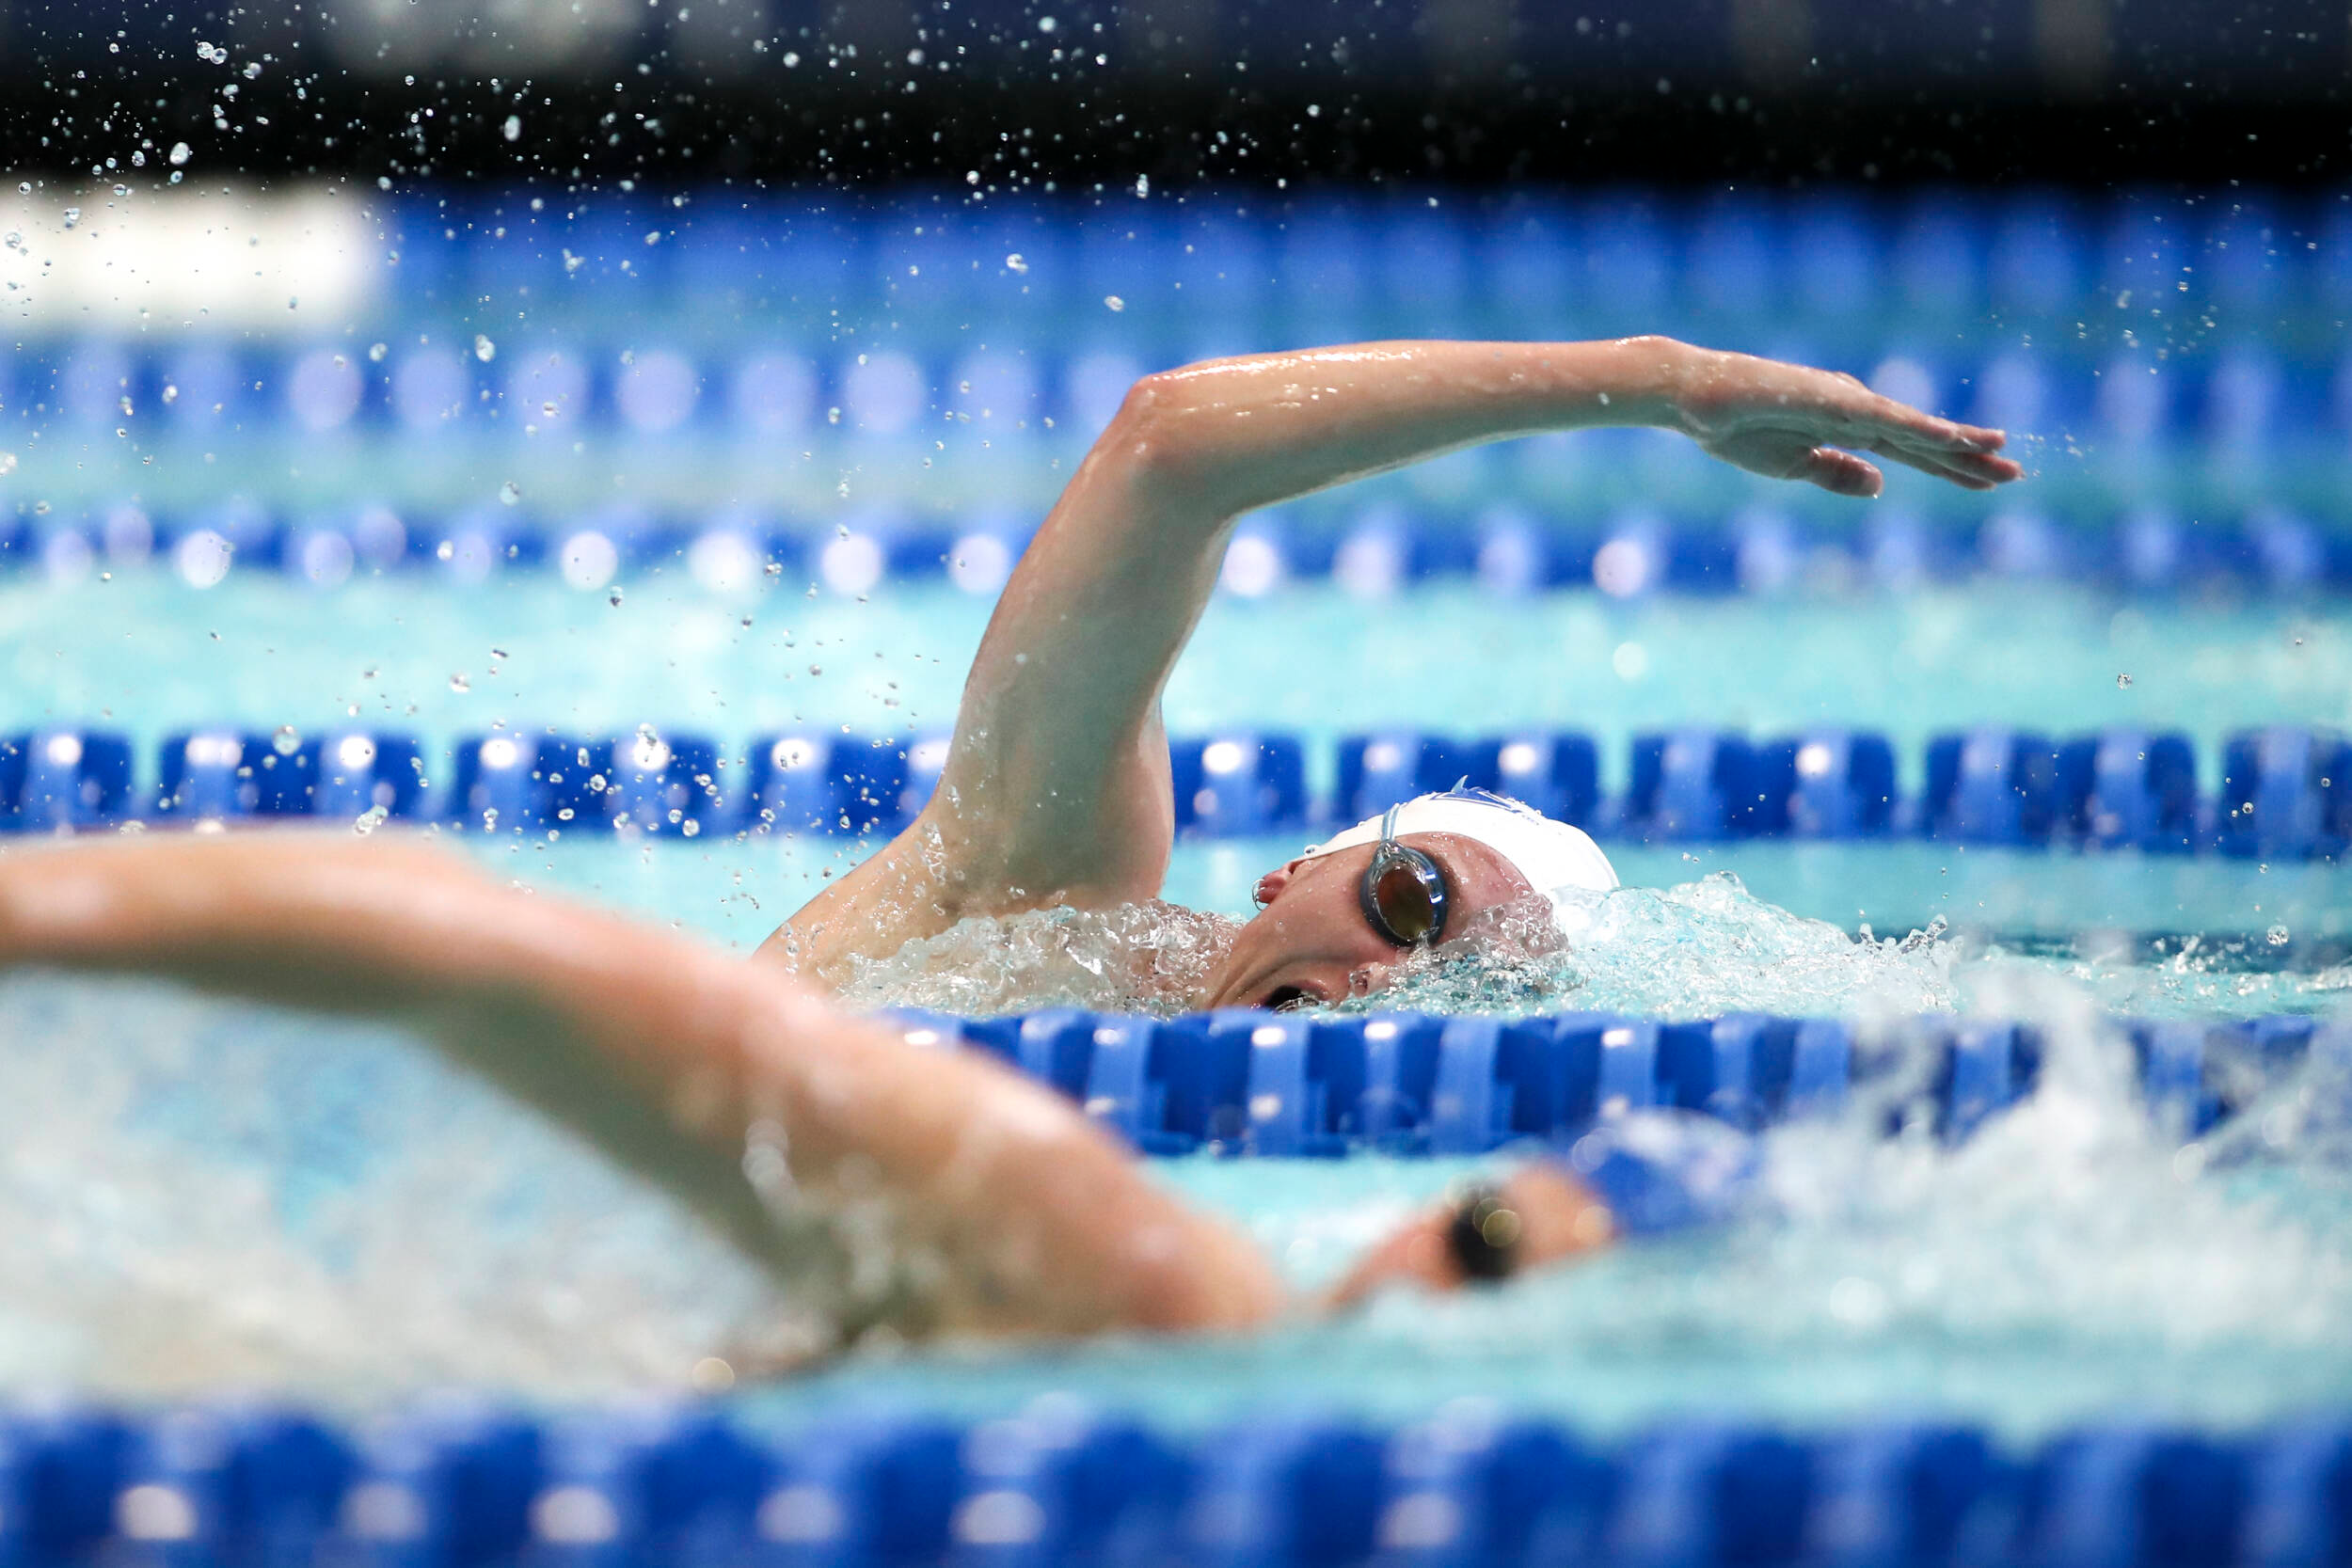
x: 2286, y: 791
x: 1244, y: 1081
x: 460, y: 1484
x: 1504, y: 543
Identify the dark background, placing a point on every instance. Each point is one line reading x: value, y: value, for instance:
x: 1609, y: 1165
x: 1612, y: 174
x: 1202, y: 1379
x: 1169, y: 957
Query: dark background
x: 2084, y: 92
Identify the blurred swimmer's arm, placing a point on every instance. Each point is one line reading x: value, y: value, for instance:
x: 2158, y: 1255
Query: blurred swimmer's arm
x: 730, y: 1086
x: 1057, y: 789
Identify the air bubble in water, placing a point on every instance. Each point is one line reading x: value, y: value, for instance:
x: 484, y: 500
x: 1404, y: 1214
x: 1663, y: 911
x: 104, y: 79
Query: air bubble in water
x: 2123, y: 683
x: 512, y: 129
x: 286, y: 741
x: 72, y: 216
x: 458, y: 683
x: 1017, y: 262
x: 24, y: 187
x: 253, y: 72
x: 615, y: 598
x: 376, y: 351
x: 509, y: 491
x: 483, y: 348
x: 369, y: 820
x: 2278, y: 935
x: 8, y: 462
x: 1114, y: 302
x: 180, y: 153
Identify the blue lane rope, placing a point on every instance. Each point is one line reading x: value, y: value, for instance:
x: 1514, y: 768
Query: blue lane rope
x: 1505, y: 542
x: 1243, y: 1081
x: 2286, y: 791
x: 458, y: 1483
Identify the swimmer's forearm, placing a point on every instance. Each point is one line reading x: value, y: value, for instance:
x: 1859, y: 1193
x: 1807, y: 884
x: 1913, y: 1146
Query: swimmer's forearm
x: 1224, y: 436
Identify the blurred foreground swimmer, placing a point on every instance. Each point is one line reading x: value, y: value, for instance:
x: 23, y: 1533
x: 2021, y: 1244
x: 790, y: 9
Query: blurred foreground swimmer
x: 919, y: 1189
x: 1056, y: 790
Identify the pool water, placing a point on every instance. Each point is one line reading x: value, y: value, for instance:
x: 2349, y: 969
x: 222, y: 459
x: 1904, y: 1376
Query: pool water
x: 196, y: 1193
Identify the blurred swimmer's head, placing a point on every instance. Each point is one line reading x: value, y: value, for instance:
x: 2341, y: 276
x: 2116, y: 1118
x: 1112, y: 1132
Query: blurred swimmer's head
x: 1435, y: 872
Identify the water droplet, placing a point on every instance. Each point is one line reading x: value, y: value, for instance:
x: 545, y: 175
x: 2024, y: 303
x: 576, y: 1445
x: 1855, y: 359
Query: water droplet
x: 509, y: 491
x: 483, y: 348
x: 2278, y: 935
x: 1143, y: 184
x: 615, y: 598
x: 171, y: 391
x: 369, y: 820
x: 286, y: 741
x: 180, y: 152
x: 72, y: 216
x: 8, y: 462
x: 500, y: 653
x: 1017, y: 262
x: 459, y: 682
x: 512, y: 129
x: 1115, y: 302
x: 24, y: 187
x: 2123, y: 683
x: 376, y: 351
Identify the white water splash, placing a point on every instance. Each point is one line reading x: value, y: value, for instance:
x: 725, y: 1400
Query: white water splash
x: 1152, y: 957
x: 196, y: 1193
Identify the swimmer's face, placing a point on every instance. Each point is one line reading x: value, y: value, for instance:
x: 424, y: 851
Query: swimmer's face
x: 1311, y: 942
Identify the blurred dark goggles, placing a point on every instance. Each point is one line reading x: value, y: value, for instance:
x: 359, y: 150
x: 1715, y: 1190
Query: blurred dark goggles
x: 1403, y: 893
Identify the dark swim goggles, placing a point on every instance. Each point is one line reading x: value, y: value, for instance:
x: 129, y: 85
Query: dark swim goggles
x: 1403, y: 893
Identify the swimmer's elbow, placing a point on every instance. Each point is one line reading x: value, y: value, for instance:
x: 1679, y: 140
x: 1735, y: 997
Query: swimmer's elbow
x: 1159, y: 440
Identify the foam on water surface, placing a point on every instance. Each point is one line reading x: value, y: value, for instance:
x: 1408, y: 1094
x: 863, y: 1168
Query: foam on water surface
x: 1701, y: 949
x: 197, y: 1194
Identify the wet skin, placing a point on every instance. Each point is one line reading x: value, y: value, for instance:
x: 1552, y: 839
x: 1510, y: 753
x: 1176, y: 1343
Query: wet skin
x: 1310, y: 942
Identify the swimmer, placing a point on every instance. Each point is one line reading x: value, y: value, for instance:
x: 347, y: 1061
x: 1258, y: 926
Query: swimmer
x: 921, y: 1190
x: 1057, y: 789
x: 938, y: 1192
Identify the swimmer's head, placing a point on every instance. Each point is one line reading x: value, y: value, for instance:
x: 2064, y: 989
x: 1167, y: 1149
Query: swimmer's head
x: 1319, y: 935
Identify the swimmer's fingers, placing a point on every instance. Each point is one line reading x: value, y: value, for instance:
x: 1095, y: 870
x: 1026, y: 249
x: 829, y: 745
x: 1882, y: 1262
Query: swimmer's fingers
x: 1970, y: 470
x: 1841, y: 473
x: 1798, y: 454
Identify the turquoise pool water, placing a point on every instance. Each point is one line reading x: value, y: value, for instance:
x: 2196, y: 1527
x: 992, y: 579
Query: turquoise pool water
x: 197, y: 1194
x: 194, y: 1194
x: 144, y: 653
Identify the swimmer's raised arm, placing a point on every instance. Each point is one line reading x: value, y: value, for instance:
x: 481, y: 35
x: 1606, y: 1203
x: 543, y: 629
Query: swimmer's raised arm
x: 1056, y: 787
x: 1007, y: 1211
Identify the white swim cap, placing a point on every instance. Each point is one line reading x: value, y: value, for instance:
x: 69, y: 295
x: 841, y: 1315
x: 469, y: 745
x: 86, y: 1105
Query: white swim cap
x: 1560, y: 861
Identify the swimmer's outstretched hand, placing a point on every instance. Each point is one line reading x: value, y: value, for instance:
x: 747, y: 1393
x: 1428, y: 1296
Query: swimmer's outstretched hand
x: 1790, y: 421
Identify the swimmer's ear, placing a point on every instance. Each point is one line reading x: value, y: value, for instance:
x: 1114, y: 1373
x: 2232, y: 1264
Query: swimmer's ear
x: 1270, y: 886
